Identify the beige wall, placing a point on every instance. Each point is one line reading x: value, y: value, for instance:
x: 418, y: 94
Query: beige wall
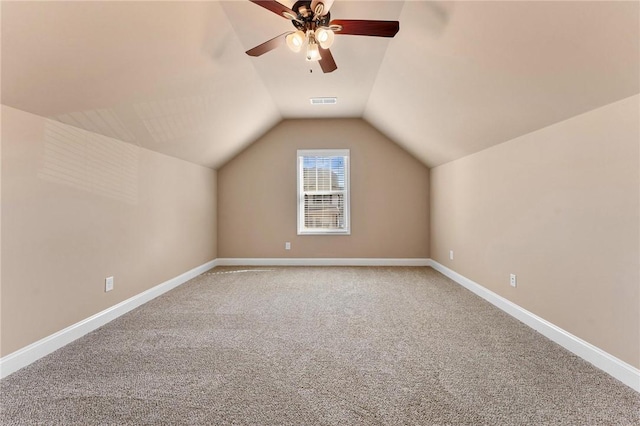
x: 560, y: 208
x: 389, y: 196
x: 78, y: 207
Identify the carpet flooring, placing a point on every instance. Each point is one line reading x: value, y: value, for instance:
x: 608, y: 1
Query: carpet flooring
x: 316, y: 346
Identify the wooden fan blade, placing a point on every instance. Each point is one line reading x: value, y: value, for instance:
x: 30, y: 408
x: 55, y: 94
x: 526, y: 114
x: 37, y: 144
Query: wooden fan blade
x: 268, y: 46
x: 367, y: 28
x: 327, y: 63
x: 275, y: 7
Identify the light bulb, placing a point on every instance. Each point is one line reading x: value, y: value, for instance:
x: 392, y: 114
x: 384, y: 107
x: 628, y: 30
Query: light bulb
x: 295, y: 41
x: 325, y: 37
x: 313, y: 53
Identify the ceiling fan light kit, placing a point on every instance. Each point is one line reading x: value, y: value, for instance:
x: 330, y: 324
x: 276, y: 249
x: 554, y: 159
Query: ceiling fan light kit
x: 314, y: 28
x: 322, y: 36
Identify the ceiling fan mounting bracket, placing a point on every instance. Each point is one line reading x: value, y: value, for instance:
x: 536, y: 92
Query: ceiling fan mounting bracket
x: 306, y: 19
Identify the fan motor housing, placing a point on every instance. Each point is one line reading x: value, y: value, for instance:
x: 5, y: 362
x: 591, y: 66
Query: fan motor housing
x: 305, y: 17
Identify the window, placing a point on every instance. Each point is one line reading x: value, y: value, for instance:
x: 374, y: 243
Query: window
x: 323, y: 191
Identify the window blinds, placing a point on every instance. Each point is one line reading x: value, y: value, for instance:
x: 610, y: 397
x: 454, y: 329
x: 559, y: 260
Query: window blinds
x: 323, y: 186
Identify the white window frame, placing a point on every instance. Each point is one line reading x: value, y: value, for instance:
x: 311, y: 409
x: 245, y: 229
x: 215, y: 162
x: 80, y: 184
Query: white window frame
x: 302, y: 229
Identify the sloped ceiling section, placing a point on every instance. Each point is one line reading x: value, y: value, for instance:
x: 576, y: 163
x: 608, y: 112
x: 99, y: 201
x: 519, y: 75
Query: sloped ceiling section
x: 463, y: 76
x: 168, y: 76
x: 459, y: 76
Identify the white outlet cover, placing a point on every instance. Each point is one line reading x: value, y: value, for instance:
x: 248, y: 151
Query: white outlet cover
x: 108, y: 284
x: 450, y: 254
x: 513, y: 280
x: 287, y: 246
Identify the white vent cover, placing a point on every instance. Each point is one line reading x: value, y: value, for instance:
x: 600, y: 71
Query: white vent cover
x: 324, y: 101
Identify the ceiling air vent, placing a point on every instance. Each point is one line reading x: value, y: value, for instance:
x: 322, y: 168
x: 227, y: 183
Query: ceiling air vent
x: 323, y: 101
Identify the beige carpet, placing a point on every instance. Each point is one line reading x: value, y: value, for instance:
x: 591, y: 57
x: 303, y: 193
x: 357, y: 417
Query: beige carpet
x: 316, y: 346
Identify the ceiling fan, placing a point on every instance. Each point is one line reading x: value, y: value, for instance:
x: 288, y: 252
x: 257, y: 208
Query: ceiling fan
x: 315, y: 30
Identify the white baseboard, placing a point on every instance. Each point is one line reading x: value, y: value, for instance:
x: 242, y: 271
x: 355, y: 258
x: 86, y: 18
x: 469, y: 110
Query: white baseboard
x: 615, y: 367
x: 25, y: 356
x: 627, y: 374
x: 291, y: 261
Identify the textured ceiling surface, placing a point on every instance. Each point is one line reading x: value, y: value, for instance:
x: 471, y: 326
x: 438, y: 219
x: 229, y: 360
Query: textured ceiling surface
x: 458, y: 77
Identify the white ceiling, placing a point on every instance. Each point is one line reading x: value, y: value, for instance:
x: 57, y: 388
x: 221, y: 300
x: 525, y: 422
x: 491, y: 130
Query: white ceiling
x: 457, y: 78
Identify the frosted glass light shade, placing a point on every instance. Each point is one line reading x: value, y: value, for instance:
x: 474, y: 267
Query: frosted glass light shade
x: 325, y: 37
x: 313, y: 53
x: 326, y: 3
x: 295, y: 41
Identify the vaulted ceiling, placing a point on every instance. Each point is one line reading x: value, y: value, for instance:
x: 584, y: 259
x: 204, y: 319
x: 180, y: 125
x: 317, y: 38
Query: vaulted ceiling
x: 457, y: 78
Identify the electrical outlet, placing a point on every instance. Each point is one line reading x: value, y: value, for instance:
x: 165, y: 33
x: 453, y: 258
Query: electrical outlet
x: 108, y: 284
x: 512, y: 280
x: 287, y: 245
x: 450, y: 254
